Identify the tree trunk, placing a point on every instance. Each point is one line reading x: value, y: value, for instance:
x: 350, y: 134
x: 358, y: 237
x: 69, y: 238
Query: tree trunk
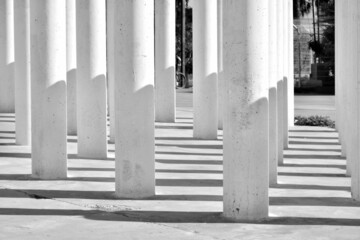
x: 297, y: 9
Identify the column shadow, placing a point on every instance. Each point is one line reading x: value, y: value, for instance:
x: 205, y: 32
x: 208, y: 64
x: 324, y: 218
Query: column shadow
x: 314, y: 165
x: 176, y: 217
x: 188, y: 153
x: 313, y: 143
x: 314, y: 149
x: 310, y: 137
x: 317, y: 157
x: 199, y: 146
x: 312, y: 131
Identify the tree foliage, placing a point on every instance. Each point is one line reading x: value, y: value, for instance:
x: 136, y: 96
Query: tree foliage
x: 323, y: 47
x: 327, y: 40
x: 301, y: 7
x: 188, y: 35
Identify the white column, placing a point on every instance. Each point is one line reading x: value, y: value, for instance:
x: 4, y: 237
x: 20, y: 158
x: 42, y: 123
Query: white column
x: 71, y: 65
x: 341, y: 73
x: 291, y: 98
x: 338, y: 29
x: 7, y: 91
x: 205, y: 69
x: 134, y: 91
x: 286, y: 73
x: 340, y: 44
x: 110, y: 11
x: 355, y: 172
x: 352, y: 121
x: 273, y: 77
x: 110, y: 15
x: 220, y: 65
x: 280, y: 79
x: 22, y: 72
x: 348, y: 86
x: 246, y: 126
x: 344, y: 76
x: 165, y: 60
x: 91, y: 78
x: 48, y: 88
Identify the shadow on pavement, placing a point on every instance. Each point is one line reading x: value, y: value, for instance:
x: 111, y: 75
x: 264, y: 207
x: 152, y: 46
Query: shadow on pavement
x: 175, y: 217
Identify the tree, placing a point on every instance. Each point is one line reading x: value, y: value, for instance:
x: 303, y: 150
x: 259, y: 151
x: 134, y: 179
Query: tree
x: 323, y: 43
x: 185, y: 45
x: 300, y: 7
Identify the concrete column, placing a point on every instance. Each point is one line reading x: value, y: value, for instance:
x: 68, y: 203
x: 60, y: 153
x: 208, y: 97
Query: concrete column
x: 110, y: 16
x: 71, y: 65
x: 286, y: 74
x: 48, y: 88
x: 7, y: 83
x: 352, y: 95
x: 355, y: 171
x: 348, y: 85
x: 280, y: 79
x: 134, y: 91
x: 22, y: 72
x: 91, y: 78
x: 165, y: 60
x: 246, y: 145
x: 290, y: 87
x: 205, y: 69
x: 338, y: 29
x: 273, y: 77
x: 339, y: 72
x: 221, y: 92
x: 344, y: 76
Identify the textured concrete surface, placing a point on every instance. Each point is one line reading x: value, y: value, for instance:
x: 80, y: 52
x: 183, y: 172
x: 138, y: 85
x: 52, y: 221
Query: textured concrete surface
x: 311, y: 201
x: 246, y: 72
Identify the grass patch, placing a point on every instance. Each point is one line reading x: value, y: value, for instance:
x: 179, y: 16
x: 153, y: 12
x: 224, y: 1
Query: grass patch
x: 318, y: 121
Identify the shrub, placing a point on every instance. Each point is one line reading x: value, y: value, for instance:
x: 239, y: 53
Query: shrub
x: 319, y: 121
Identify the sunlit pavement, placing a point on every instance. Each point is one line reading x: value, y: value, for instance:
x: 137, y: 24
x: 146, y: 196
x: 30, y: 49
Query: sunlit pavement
x: 315, y: 105
x: 311, y: 201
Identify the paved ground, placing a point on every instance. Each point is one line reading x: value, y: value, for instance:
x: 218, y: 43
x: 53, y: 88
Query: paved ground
x: 305, y: 105
x: 315, y: 105
x: 312, y: 200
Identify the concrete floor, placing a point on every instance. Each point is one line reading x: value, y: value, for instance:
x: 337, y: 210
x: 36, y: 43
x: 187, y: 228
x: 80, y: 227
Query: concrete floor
x: 312, y: 200
x: 307, y: 105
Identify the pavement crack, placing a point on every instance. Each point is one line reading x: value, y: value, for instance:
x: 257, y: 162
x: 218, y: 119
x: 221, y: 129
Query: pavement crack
x: 30, y: 195
x: 36, y: 196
